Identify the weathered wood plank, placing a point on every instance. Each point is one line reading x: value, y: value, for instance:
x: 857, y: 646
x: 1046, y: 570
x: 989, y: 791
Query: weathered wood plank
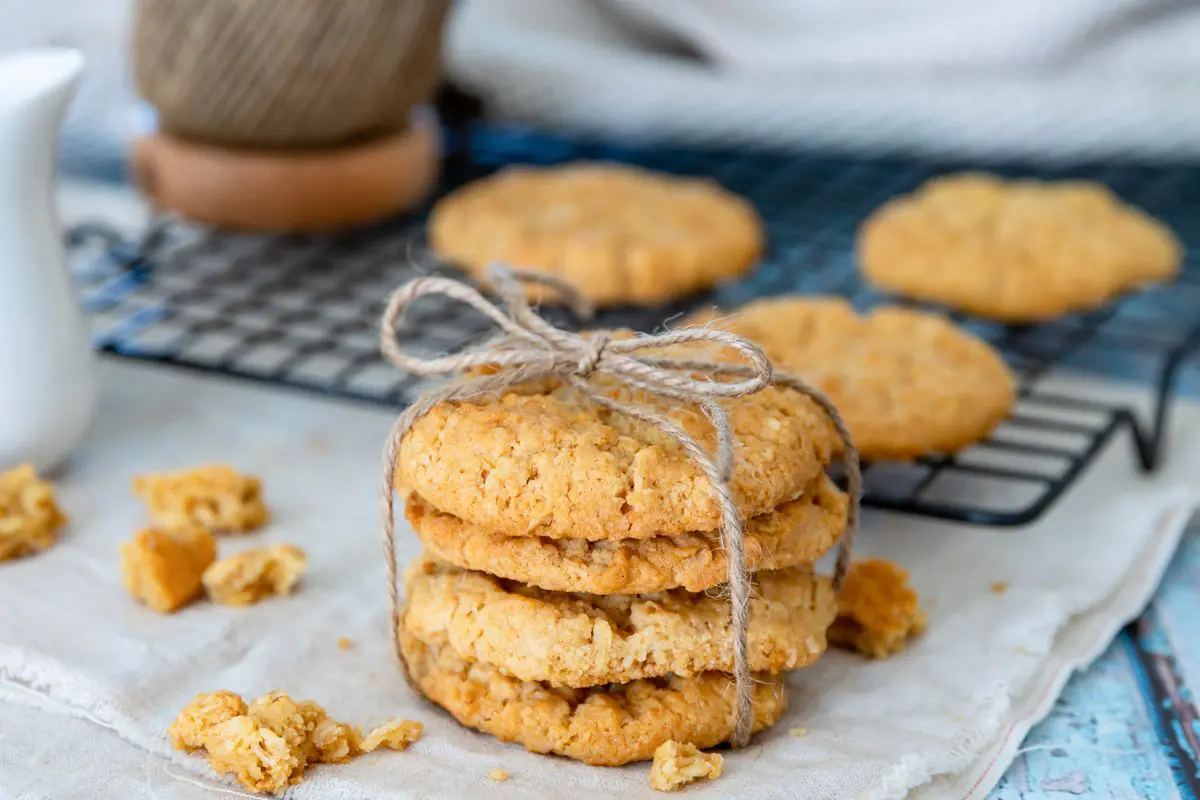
x: 1100, y: 741
x: 1128, y: 727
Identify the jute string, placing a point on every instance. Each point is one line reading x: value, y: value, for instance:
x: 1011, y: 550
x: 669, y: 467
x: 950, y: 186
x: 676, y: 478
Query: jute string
x: 529, y: 349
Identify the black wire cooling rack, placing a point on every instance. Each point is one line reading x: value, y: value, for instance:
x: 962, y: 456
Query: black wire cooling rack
x: 302, y: 311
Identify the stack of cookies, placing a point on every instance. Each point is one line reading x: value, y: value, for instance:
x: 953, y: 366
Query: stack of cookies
x: 570, y: 594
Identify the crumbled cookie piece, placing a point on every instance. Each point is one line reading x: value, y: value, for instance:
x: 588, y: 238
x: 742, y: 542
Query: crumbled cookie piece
x: 29, y: 514
x: 253, y: 575
x: 799, y: 733
x: 877, y: 612
x: 256, y: 756
x: 335, y: 742
x: 344, y: 643
x: 267, y: 744
x: 163, y: 569
x: 677, y: 764
x: 396, y: 734
x: 999, y: 587
x: 214, y: 496
x: 200, y: 716
x: 294, y: 721
x: 498, y: 775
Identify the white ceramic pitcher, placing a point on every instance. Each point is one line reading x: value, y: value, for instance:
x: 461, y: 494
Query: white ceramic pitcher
x: 47, y: 378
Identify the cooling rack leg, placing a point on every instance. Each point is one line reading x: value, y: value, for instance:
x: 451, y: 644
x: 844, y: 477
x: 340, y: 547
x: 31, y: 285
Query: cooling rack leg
x: 1150, y: 445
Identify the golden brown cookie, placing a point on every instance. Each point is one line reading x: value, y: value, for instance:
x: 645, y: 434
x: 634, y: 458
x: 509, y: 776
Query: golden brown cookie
x: 907, y: 383
x: 1018, y: 251
x: 605, y: 725
x: 548, y: 461
x: 877, y: 611
x: 798, y: 532
x: 619, y: 234
x: 579, y: 640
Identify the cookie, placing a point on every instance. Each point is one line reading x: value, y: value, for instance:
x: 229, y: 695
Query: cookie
x: 798, y: 532
x: 605, y: 725
x: 547, y: 461
x: 1016, y: 251
x: 579, y: 640
x: 907, y: 383
x: 877, y: 611
x: 619, y: 234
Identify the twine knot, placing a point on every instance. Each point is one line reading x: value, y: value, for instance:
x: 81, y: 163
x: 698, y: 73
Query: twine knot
x: 529, y: 349
x: 595, y: 351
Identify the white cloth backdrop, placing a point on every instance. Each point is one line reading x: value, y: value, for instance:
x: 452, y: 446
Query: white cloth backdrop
x: 1054, y: 80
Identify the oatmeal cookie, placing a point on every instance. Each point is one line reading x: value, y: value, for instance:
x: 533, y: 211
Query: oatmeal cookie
x: 213, y: 496
x: 907, y: 383
x: 798, y: 532
x: 605, y: 725
x: 1017, y: 251
x: 544, y: 460
x: 877, y: 611
x: 579, y: 640
x: 29, y: 514
x: 619, y: 234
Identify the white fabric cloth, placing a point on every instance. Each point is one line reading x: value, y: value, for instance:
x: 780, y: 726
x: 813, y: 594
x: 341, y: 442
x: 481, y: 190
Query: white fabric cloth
x: 1059, y: 80
x: 73, y: 644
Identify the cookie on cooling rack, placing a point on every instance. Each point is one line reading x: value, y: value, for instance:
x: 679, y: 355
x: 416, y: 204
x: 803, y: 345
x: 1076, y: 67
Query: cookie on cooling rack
x: 907, y: 383
x: 621, y: 235
x: 1016, y: 251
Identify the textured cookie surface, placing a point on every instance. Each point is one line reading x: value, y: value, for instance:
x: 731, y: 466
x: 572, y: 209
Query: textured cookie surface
x: 605, y: 726
x: 548, y: 461
x: 798, y: 532
x: 580, y: 640
x: 619, y: 234
x: 1014, y: 250
x: 906, y: 382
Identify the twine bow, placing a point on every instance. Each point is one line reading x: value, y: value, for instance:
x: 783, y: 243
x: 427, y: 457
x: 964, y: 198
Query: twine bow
x: 529, y: 348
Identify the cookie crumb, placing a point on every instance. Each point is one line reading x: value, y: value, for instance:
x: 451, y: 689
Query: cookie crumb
x: 396, y: 734
x: 799, y: 732
x: 877, y: 612
x: 29, y: 514
x: 266, y: 745
x: 199, y: 717
x: 214, y: 496
x: 164, y: 569
x: 677, y: 764
x: 344, y: 643
x: 498, y: 775
x: 999, y: 587
x: 253, y: 575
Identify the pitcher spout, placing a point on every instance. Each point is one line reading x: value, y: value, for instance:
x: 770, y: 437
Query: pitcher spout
x: 45, y: 77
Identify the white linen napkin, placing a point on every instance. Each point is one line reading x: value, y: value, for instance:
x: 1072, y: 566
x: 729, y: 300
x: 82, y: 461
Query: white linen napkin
x: 73, y: 644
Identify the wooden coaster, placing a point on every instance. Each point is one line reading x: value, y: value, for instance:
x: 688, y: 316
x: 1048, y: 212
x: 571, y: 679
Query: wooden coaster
x: 293, y: 191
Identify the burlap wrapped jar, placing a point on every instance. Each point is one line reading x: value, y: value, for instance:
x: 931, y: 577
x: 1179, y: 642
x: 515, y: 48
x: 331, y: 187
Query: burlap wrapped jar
x: 287, y: 73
